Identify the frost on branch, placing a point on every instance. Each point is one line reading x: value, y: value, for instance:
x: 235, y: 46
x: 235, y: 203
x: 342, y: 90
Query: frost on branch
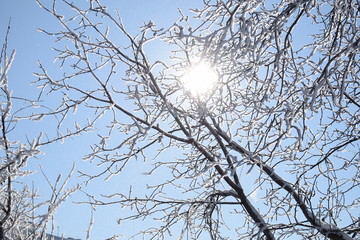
x: 20, y: 205
x: 281, y: 121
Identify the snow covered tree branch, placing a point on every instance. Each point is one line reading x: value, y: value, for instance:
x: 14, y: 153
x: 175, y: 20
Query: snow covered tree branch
x: 22, y: 214
x: 270, y: 151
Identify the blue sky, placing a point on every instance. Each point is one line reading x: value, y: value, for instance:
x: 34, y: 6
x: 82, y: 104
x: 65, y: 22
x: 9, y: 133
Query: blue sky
x: 32, y: 46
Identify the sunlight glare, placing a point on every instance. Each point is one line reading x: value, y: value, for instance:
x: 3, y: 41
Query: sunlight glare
x: 199, y: 80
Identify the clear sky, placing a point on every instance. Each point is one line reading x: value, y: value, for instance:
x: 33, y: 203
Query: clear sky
x: 31, y: 46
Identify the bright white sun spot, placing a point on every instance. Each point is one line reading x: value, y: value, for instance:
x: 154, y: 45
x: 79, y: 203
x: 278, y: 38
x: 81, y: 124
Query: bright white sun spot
x: 199, y: 80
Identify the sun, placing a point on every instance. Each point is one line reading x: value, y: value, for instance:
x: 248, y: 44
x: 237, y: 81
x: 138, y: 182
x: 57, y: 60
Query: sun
x: 199, y: 79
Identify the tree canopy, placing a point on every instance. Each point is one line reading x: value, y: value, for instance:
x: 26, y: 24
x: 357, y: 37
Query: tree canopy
x: 268, y: 149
